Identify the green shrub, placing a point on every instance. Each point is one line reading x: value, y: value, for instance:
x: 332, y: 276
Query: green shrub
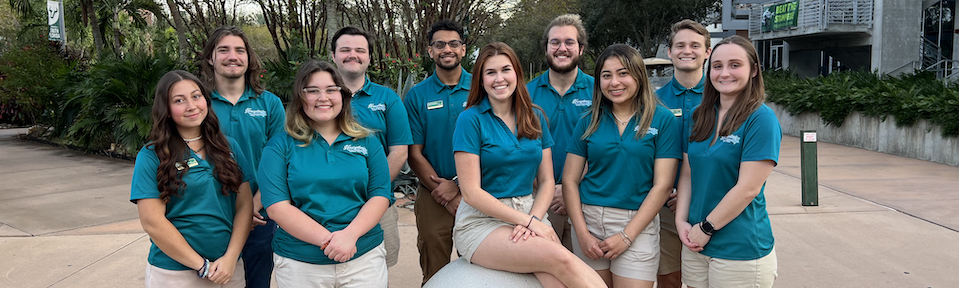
x: 27, y: 76
x: 113, y: 103
x: 909, y: 97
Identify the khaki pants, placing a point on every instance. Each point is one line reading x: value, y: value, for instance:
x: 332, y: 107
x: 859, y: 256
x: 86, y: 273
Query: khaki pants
x: 435, y: 233
x: 670, y: 247
x: 562, y: 227
x: 391, y: 235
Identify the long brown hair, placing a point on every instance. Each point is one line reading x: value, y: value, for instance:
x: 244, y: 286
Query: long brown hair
x: 752, y: 96
x: 527, y: 124
x: 170, y: 147
x: 253, y: 65
x: 645, y: 100
x: 299, y: 126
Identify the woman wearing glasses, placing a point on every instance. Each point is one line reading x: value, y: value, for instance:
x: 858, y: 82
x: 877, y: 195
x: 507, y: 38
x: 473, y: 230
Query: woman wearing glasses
x: 502, y: 147
x: 326, y: 183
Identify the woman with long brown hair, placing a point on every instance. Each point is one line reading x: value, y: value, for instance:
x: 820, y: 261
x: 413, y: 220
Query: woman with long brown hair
x: 631, y: 144
x: 193, y: 197
x: 734, y: 144
x: 502, y: 147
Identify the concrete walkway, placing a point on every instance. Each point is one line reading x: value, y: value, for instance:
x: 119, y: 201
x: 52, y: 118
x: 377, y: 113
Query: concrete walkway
x: 883, y: 221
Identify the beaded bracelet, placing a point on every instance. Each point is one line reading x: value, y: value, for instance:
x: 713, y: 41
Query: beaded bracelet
x: 204, y: 270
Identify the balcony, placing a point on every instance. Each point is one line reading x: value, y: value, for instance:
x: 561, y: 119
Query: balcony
x: 814, y: 18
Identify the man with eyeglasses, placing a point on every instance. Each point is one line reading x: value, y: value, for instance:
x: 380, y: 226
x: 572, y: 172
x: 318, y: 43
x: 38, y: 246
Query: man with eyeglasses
x: 433, y: 106
x: 251, y: 115
x: 564, y: 92
x: 376, y: 107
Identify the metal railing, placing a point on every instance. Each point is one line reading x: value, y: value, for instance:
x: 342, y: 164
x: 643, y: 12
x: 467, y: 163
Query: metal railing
x: 817, y: 15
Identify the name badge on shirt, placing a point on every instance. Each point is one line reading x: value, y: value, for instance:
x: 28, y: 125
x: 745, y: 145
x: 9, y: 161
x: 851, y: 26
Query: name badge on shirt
x: 434, y: 105
x: 677, y: 112
x: 192, y: 162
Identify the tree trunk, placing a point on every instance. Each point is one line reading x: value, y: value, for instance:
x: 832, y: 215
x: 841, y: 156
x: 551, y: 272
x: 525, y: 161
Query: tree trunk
x: 94, y: 26
x: 180, y: 30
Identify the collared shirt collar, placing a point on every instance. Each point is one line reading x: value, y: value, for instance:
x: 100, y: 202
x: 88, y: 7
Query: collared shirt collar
x: 462, y: 84
x: 248, y: 93
x: 484, y: 106
x: 367, y: 87
x: 581, y: 81
x: 679, y: 89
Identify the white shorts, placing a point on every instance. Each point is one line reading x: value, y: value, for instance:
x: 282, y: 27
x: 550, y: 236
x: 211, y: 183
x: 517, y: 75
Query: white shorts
x: 473, y: 226
x: 640, y: 261
x: 703, y: 271
x: 365, y: 271
x: 157, y: 277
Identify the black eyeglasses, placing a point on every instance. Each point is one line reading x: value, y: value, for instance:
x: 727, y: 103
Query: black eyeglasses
x: 442, y: 44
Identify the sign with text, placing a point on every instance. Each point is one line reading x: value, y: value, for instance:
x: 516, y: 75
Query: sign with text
x: 55, y: 21
x: 780, y: 16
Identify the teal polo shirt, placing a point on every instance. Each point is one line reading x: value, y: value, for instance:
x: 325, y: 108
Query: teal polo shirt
x: 621, y: 167
x: 329, y: 183
x: 508, y: 164
x: 562, y: 111
x: 201, y: 213
x: 433, y: 108
x: 252, y: 122
x: 715, y: 170
x: 681, y: 100
x: 379, y: 108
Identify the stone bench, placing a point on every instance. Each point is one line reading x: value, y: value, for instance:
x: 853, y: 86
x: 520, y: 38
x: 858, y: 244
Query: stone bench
x: 462, y: 274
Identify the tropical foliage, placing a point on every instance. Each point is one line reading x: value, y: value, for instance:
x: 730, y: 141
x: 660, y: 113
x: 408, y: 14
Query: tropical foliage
x: 908, y: 98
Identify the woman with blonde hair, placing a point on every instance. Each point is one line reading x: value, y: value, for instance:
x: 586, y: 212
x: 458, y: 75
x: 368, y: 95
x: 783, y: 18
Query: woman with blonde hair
x: 326, y: 183
x: 502, y: 147
x: 631, y: 144
x: 734, y: 144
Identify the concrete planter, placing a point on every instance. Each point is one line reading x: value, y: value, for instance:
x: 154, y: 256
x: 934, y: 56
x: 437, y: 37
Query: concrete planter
x: 922, y: 140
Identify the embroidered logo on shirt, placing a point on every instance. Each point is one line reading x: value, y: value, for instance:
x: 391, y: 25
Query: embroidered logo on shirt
x: 731, y: 139
x: 377, y: 107
x: 255, y: 113
x: 464, y: 104
x: 651, y: 131
x: 355, y: 149
x: 434, y: 105
x: 582, y: 102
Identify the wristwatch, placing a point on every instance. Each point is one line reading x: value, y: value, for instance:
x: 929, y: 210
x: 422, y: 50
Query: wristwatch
x: 707, y: 227
x: 456, y: 179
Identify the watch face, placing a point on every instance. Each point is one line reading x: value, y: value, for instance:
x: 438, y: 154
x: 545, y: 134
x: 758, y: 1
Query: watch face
x: 708, y: 227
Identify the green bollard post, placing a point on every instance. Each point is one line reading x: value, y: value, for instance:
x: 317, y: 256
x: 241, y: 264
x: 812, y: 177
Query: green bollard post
x: 809, y: 168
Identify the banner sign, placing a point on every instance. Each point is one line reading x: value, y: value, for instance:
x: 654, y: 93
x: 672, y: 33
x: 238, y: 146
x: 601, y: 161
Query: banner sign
x: 780, y: 16
x: 55, y: 21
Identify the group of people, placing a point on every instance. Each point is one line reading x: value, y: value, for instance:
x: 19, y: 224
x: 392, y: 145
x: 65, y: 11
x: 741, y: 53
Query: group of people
x: 559, y: 177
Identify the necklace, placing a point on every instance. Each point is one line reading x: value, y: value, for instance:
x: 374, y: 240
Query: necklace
x: 621, y: 122
x: 192, y: 139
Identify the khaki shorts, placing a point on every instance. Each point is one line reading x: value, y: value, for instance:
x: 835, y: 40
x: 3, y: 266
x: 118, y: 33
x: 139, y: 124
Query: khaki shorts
x: 157, y: 277
x: 365, y: 271
x: 670, y: 247
x: 640, y: 261
x: 472, y: 226
x: 703, y: 271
